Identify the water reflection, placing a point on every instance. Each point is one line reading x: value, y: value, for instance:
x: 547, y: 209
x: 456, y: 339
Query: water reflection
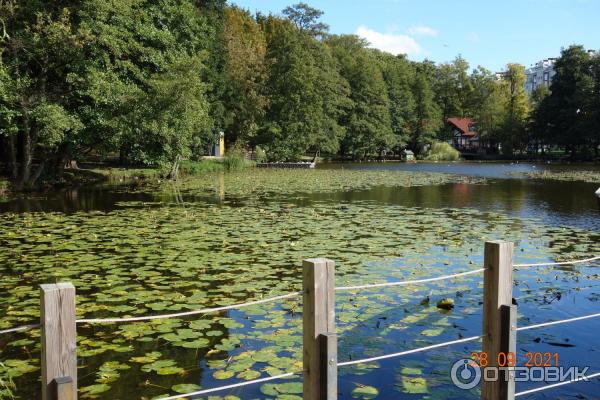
x: 553, y: 202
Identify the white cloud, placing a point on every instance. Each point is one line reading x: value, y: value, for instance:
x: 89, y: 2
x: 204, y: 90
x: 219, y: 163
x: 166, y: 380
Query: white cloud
x: 390, y: 42
x: 422, y: 30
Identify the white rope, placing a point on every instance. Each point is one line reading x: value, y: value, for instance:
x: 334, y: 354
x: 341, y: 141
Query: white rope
x: 403, y: 283
x: 559, y: 263
x: 403, y: 353
x: 585, y: 378
x: 186, y: 313
x: 564, y: 321
x: 20, y: 328
x: 200, y: 392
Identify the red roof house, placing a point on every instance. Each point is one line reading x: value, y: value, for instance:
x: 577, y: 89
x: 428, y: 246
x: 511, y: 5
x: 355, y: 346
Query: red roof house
x: 464, y: 133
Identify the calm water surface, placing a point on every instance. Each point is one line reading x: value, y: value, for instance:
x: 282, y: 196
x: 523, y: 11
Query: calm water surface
x: 543, y: 294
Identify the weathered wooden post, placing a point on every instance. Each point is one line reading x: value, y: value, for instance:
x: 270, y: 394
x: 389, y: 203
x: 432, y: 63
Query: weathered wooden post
x: 64, y: 388
x: 508, y: 346
x: 59, y: 349
x: 320, y: 342
x: 497, y: 292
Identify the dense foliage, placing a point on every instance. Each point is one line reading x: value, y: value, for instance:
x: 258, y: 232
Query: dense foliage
x: 155, y: 82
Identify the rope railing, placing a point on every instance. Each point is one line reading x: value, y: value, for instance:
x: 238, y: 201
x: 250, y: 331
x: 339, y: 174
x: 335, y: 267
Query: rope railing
x: 539, y: 389
x: 407, y: 352
x: 287, y: 296
x: 463, y: 340
x: 20, y: 328
x: 564, y: 321
x: 404, y: 283
x: 186, y: 313
x: 319, y: 291
x: 232, y: 386
x: 399, y: 354
x: 587, y: 260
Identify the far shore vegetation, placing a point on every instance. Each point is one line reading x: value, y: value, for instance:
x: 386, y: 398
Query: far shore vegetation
x: 155, y: 87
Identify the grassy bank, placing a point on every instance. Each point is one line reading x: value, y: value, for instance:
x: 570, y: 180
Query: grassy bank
x: 187, y: 168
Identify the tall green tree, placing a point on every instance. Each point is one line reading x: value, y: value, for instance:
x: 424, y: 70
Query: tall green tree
x: 306, y: 94
x: 453, y: 89
x: 306, y: 18
x: 399, y: 74
x: 563, y: 117
x: 368, y: 121
x: 486, y: 104
x: 427, y: 113
x: 245, y: 96
x: 512, y: 131
x: 39, y: 50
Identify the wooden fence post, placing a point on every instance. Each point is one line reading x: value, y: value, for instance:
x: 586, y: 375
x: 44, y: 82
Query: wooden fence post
x: 319, y: 319
x: 508, y: 345
x: 497, y: 292
x: 59, y: 348
x: 64, y: 388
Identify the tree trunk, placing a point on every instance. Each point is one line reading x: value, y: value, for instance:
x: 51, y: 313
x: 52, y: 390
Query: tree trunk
x: 26, y: 158
x: 12, y: 157
x: 37, y: 174
x: 174, y: 174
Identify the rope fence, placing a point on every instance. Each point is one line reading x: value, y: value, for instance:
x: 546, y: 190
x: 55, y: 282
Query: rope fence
x: 587, y: 260
x: 186, y: 313
x: 399, y: 354
x: 287, y: 296
x: 233, y: 386
x: 320, y: 344
x: 585, y: 378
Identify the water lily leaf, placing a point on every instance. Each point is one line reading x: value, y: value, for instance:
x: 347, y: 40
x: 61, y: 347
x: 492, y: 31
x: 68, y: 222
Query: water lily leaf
x: 365, y: 392
x: 223, y: 374
x: 248, y: 375
x: 184, y: 388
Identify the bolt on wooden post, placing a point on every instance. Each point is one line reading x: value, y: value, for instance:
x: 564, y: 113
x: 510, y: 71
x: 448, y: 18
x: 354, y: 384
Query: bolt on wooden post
x: 497, y: 296
x: 59, y: 348
x: 319, y: 340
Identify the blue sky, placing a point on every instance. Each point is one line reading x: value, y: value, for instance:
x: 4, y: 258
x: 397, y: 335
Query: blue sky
x: 487, y: 33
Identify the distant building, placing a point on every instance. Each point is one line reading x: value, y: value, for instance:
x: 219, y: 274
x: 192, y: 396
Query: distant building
x: 408, y: 155
x: 217, y: 148
x: 539, y: 74
x: 464, y: 133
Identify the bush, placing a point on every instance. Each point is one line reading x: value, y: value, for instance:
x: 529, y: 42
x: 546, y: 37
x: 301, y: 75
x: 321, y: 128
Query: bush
x: 442, y: 151
x: 234, y: 161
x: 200, y: 167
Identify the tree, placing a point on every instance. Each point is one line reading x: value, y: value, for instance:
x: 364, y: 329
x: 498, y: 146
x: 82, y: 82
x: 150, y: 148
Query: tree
x: 563, y: 117
x: 594, y: 106
x: 398, y: 74
x: 427, y: 113
x: 512, y: 130
x: 486, y: 104
x: 453, y: 89
x: 40, y: 49
x: 306, y: 95
x: 368, y: 121
x: 245, y: 97
x: 307, y: 18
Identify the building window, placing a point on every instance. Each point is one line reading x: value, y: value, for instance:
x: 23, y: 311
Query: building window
x: 546, y: 77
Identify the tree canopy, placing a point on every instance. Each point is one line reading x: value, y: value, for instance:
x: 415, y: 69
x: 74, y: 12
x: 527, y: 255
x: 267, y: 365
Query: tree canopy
x: 154, y: 83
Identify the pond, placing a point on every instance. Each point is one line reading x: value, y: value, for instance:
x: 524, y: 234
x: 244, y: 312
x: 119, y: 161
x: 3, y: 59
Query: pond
x: 155, y: 248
